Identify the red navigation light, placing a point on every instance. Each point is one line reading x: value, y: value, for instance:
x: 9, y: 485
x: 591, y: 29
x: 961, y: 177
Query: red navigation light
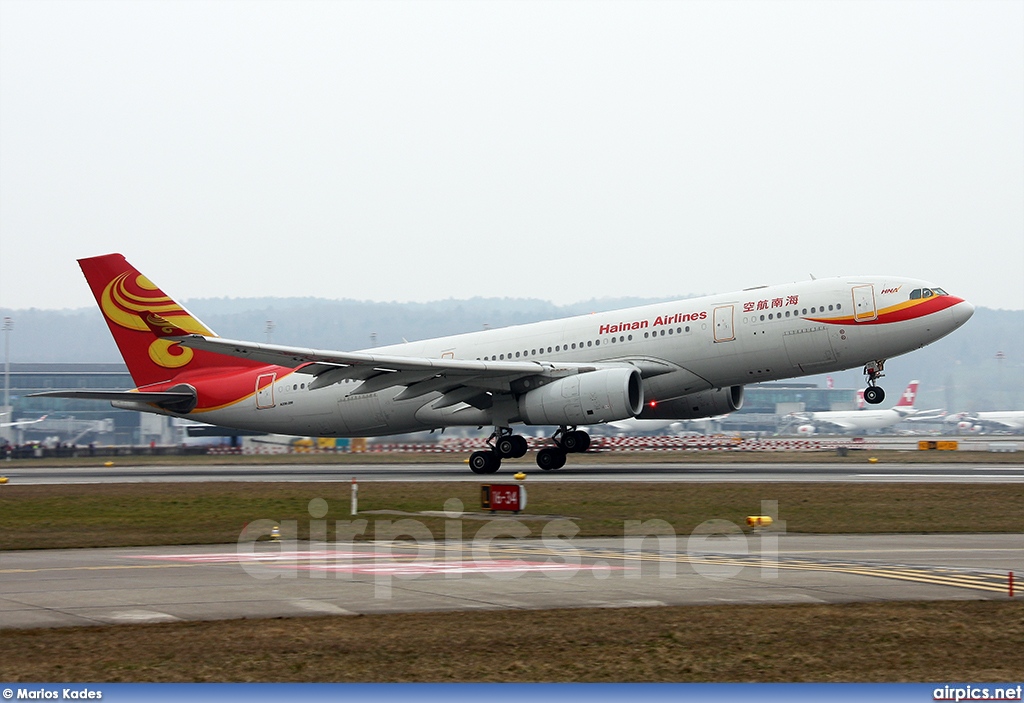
x: 653, y: 403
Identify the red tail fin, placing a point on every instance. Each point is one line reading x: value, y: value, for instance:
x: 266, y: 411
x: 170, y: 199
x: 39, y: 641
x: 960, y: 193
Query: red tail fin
x: 125, y: 296
x: 909, y: 396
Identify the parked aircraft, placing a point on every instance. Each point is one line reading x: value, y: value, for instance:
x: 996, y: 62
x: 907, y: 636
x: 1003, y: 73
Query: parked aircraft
x: 861, y: 420
x: 677, y: 360
x: 997, y: 420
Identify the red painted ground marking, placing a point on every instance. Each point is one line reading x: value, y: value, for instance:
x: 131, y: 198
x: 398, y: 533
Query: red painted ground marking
x: 376, y: 563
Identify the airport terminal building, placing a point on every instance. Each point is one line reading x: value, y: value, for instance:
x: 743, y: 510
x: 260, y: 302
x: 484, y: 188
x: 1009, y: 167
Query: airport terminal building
x: 83, y: 421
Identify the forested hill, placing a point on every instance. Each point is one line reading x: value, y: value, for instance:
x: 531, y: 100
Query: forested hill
x: 964, y: 371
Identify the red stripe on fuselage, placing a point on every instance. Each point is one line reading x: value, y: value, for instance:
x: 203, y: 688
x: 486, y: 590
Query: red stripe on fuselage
x: 898, y: 313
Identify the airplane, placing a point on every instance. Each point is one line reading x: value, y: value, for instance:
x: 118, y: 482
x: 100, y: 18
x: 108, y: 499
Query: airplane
x: 860, y: 420
x: 999, y: 420
x: 676, y: 360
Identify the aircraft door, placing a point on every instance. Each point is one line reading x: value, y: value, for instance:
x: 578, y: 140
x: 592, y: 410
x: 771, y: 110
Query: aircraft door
x: 265, y: 390
x: 864, y: 303
x: 724, y: 331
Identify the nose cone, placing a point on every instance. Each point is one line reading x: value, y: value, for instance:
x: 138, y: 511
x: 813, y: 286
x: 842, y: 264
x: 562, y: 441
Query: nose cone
x: 962, y: 312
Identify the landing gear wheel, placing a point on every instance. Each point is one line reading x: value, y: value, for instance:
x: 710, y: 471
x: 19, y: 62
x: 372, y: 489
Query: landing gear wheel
x: 511, y: 446
x: 505, y: 447
x: 550, y: 458
x: 520, y: 447
x: 484, y: 462
x: 577, y: 441
x: 873, y: 395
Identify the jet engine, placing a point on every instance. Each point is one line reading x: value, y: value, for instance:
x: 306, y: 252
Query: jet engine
x: 805, y: 430
x: 604, y: 395
x: 717, y: 401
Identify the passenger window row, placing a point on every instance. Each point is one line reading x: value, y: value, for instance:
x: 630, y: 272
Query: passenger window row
x: 814, y: 310
x: 557, y: 348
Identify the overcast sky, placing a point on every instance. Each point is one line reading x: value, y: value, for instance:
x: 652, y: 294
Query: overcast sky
x: 557, y: 150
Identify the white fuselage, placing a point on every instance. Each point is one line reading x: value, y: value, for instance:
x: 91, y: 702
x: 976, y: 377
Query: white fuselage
x: 856, y: 420
x: 682, y: 348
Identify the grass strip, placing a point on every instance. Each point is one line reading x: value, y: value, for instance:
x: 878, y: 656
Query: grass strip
x: 147, y: 514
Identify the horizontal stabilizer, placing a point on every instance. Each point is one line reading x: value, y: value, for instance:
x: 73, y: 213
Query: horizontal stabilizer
x: 127, y: 396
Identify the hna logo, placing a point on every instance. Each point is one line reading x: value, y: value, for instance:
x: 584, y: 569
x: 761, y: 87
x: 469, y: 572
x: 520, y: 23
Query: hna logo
x: 891, y: 290
x: 129, y: 295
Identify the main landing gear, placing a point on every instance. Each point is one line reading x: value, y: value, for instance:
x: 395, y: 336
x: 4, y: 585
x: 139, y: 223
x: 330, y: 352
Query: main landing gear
x: 506, y: 445
x: 566, y: 442
x: 503, y: 445
x: 873, y: 395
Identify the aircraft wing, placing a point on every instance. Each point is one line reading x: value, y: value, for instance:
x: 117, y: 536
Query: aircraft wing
x: 294, y: 357
x: 926, y: 415
x: 996, y: 424
x: 420, y: 375
x: 21, y: 423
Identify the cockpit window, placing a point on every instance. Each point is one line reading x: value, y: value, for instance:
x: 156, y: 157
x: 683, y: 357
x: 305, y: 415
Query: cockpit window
x: 915, y: 294
x: 926, y: 293
x: 919, y: 293
x: 939, y: 291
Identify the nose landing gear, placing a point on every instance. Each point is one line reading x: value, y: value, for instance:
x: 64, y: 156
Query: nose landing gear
x: 873, y: 395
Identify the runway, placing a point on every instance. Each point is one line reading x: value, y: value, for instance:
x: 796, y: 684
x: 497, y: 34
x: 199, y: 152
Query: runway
x: 52, y: 588
x: 457, y: 471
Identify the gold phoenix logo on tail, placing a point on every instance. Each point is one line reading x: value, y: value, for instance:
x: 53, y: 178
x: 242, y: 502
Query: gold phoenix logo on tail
x: 125, y: 301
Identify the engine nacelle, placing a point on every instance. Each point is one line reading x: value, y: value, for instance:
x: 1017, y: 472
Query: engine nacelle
x: 717, y: 401
x: 605, y: 395
x: 805, y: 430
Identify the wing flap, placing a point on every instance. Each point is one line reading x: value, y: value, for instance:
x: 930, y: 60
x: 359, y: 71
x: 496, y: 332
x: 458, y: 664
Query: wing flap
x: 440, y: 383
x: 389, y: 379
x: 456, y: 396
